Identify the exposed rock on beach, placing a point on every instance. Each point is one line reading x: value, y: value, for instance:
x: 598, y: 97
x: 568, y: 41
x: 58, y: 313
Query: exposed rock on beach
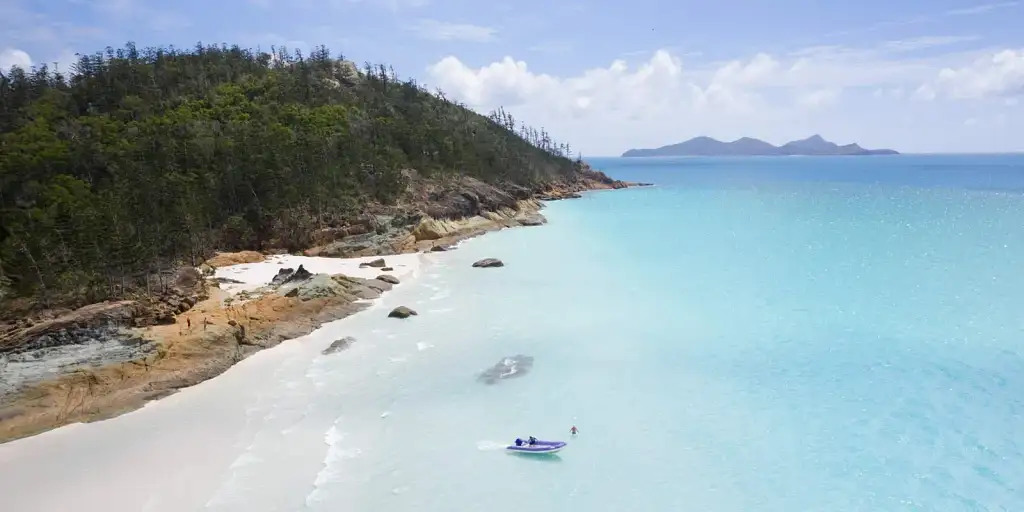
x: 402, y: 312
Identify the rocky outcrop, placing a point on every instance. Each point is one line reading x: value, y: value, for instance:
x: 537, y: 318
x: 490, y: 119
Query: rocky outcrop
x: 509, y: 367
x: 436, y: 214
x: 489, y: 263
x: 401, y: 312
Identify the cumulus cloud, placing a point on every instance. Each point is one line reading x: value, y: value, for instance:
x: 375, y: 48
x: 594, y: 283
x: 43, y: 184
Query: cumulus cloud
x: 11, y: 57
x: 663, y: 99
x: 998, y: 75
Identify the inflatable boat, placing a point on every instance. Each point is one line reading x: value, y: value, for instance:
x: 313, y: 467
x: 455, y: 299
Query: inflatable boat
x: 537, y: 447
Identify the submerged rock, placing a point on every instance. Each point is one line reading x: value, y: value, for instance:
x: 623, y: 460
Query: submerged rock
x: 339, y: 345
x: 488, y: 263
x: 401, y: 312
x: 509, y: 367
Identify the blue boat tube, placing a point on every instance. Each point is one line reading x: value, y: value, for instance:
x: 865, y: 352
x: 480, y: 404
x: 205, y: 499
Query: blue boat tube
x: 538, y: 446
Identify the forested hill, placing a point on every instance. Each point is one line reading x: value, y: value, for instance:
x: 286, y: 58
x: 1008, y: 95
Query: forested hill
x: 138, y: 159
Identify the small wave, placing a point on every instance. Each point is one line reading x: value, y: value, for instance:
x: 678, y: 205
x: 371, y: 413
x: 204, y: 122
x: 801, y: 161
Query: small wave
x: 441, y: 295
x: 245, y: 459
x: 332, y: 459
x: 423, y: 346
x: 399, y: 359
x: 385, y: 414
x: 441, y: 310
x: 489, y: 446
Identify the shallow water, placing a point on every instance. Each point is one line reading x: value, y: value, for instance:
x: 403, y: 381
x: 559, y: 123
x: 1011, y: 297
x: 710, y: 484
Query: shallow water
x: 752, y: 334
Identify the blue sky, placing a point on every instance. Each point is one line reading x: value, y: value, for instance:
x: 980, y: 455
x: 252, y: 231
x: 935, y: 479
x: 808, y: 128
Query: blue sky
x: 937, y: 76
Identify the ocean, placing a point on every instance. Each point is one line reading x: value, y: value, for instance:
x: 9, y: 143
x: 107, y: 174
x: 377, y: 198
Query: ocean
x: 750, y: 334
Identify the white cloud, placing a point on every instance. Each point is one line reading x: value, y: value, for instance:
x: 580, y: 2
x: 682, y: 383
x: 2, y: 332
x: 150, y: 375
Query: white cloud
x: 1001, y: 74
x: 11, y: 57
x: 443, y: 31
x: 981, y: 9
x: 776, y: 97
x: 921, y: 43
x: 819, y: 98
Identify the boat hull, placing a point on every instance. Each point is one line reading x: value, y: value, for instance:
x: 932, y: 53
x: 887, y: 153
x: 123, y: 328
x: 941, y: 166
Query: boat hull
x: 540, y: 447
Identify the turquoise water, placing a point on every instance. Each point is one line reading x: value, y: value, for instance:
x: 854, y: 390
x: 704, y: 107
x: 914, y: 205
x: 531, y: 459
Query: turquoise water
x: 752, y: 334
x: 778, y: 334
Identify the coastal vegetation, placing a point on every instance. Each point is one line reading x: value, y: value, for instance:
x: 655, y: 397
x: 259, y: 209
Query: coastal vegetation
x: 136, y: 160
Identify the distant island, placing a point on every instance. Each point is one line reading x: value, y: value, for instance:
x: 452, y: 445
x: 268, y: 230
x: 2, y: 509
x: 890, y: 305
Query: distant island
x: 706, y: 146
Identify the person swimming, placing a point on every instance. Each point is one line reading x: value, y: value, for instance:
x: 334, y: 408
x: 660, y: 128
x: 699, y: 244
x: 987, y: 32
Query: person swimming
x: 574, y: 430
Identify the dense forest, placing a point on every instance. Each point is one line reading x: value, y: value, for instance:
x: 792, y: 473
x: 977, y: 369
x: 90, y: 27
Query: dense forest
x: 136, y: 160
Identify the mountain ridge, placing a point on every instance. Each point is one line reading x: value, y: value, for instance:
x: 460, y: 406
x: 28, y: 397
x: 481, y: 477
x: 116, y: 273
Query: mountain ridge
x: 814, y: 145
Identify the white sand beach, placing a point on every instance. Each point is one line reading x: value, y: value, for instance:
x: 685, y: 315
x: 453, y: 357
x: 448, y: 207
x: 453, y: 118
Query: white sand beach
x: 173, y: 454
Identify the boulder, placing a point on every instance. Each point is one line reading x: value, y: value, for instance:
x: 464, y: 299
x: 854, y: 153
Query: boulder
x: 388, y: 279
x: 533, y: 219
x: 488, y: 263
x: 377, y: 263
x: 288, y: 275
x: 339, y: 345
x: 438, y: 248
x: 401, y: 312
x: 387, y: 269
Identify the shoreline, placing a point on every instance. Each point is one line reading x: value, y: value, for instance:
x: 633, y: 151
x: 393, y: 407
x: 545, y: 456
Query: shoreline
x: 179, y: 356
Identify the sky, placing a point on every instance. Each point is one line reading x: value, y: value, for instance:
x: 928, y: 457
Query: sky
x: 916, y: 76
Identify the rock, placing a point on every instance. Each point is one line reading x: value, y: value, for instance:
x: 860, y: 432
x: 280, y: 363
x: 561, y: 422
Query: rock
x: 488, y: 263
x: 317, y: 287
x: 387, y: 269
x: 509, y: 367
x: 339, y: 345
x: 533, y: 219
x: 388, y: 279
x: 358, y: 288
x: 438, y: 248
x: 287, y: 275
x: 401, y: 312
x: 282, y: 276
x: 377, y: 263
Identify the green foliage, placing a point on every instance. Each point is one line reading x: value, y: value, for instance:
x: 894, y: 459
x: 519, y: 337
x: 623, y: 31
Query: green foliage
x: 138, y: 160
